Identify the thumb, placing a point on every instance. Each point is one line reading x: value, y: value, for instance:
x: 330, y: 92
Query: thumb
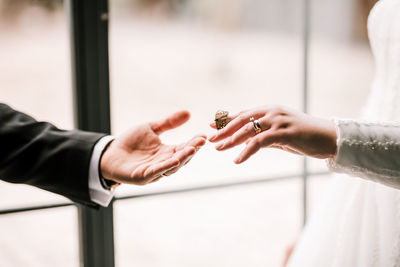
x: 172, y: 121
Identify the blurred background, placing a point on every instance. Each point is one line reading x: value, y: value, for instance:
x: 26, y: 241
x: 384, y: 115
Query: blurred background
x: 167, y: 55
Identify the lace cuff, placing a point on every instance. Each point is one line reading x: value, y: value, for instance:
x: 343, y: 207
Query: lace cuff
x: 368, y: 150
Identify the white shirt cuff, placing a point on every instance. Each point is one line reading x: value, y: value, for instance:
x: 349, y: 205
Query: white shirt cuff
x: 98, y: 194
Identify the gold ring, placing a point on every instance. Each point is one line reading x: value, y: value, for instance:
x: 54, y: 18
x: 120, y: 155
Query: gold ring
x: 256, y: 125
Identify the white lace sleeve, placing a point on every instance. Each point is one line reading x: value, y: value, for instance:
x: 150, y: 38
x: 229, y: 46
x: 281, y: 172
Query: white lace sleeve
x: 368, y: 150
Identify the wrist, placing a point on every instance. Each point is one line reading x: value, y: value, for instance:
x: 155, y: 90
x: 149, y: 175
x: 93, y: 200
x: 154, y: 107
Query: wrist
x: 323, y: 141
x: 105, y: 177
x: 333, y: 136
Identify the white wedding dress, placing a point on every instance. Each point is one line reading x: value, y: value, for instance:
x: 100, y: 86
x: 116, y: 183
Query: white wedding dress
x: 358, y: 221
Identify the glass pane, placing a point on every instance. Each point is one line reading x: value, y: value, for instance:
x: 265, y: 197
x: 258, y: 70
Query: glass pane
x: 34, y: 75
x: 204, y: 56
x: 341, y: 64
x: 40, y: 238
x: 237, y: 226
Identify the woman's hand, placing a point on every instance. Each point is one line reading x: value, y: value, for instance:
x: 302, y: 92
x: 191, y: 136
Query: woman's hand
x: 139, y: 157
x: 282, y: 128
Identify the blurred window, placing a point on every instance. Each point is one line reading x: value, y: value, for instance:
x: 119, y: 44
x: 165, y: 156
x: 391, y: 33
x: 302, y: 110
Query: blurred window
x: 167, y: 55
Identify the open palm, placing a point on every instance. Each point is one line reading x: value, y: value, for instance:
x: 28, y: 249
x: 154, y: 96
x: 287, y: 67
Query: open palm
x: 139, y: 157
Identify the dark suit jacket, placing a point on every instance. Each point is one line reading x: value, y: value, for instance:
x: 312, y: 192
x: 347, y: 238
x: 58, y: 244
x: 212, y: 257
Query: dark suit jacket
x: 39, y: 154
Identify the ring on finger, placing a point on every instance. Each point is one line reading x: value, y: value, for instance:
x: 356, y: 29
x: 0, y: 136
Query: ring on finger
x: 256, y: 125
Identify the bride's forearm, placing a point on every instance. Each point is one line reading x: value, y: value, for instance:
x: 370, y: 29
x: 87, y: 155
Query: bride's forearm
x: 368, y: 150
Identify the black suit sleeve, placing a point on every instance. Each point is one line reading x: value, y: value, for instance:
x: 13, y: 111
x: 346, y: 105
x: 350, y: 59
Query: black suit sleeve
x: 39, y: 154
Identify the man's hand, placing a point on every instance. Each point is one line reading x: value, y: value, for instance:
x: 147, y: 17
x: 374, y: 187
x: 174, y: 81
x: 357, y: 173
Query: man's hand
x: 139, y: 157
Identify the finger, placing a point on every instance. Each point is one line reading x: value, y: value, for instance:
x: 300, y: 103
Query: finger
x: 157, y: 169
x: 249, y: 150
x: 171, y: 122
x: 197, y: 142
x: 235, y: 125
x: 244, y: 134
x: 238, y: 138
x: 162, y: 173
x: 214, y: 125
x: 184, y: 156
x: 159, y: 175
x: 264, y: 139
x: 174, y: 170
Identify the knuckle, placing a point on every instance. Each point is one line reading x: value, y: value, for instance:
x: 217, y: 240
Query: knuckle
x: 265, y: 123
x: 276, y: 121
x: 279, y: 111
x: 281, y: 121
x: 274, y: 109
